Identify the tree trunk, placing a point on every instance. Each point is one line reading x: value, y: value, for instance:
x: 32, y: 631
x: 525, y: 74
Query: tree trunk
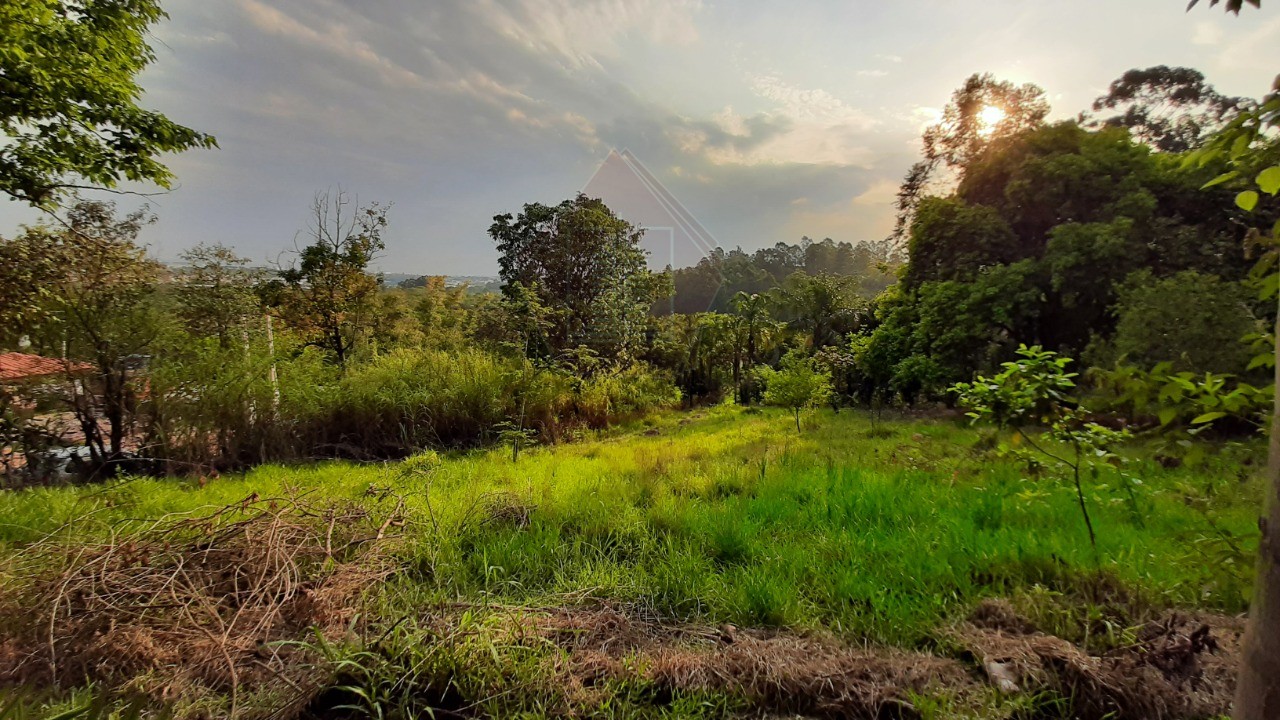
x: 1258, y: 691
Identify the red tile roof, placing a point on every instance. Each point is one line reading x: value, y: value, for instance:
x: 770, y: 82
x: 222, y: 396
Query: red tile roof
x: 20, y: 366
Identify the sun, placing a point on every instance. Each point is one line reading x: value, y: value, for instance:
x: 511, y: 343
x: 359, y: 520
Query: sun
x: 988, y: 118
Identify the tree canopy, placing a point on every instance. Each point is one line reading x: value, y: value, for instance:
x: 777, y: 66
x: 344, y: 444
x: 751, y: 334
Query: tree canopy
x: 69, y: 99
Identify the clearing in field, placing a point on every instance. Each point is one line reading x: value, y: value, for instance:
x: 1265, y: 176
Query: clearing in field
x: 712, y: 564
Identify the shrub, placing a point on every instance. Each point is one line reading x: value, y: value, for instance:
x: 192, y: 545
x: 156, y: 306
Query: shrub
x: 799, y: 384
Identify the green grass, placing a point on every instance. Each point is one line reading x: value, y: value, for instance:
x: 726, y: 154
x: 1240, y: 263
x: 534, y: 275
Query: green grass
x: 729, y: 516
x: 719, y: 516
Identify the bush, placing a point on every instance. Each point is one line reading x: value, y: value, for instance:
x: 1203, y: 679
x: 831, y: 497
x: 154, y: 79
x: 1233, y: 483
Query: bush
x: 1191, y: 320
x: 799, y: 384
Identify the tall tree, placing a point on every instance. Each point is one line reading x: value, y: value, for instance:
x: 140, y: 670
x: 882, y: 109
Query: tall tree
x: 586, y: 264
x: 825, y: 307
x: 216, y: 292
x: 981, y: 111
x: 68, y: 99
x: 327, y: 294
x: 1171, y: 109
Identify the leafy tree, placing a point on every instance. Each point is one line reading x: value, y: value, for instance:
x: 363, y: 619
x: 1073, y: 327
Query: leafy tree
x: 1035, y: 390
x: 757, y: 333
x: 1169, y: 109
x: 1248, y: 145
x: 585, y: 262
x: 1191, y: 320
x: 966, y: 128
x: 824, y: 307
x: 68, y: 99
x: 216, y: 292
x: 798, y: 384
x: 952, y: 240
x: 98, y: 300
x: 327, y: 295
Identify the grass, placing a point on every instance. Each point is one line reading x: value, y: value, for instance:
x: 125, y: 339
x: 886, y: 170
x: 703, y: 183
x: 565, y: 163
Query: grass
x: 729, y: 516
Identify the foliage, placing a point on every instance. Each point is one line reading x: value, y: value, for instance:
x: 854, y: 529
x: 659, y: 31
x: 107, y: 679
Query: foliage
x: 69, y: 113
x: 583, y: 262
x: 327, y: 294
x: 1191, y: 320
x: 1184, y: 404
x: 963, y: 133
x: 97, y: 298
x: 216, y: 293
x: 712, y: 284
x: 825, y: 307
x: 1037, y: 391
x: 1169, y: 109
x: 798, y: 384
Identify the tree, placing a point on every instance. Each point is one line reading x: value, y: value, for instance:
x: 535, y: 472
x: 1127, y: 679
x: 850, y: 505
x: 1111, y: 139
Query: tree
x: 826, y: 307
x: 756, y: 331
x: 1169, y: 109
x: 68, y: 99
x: 983, y: 111
x: 97, y: 300
x: 1249, y: 146
x: 797, y: 385
x: 1193, y: 321
x: 953, y: 240
x: 584, y: 262
x: 216, y: 292
x: 327, y: 294
x: 1035, y: 390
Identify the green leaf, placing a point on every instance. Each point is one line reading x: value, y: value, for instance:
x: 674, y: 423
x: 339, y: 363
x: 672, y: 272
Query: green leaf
x: 1269, y: 180
x: 1208, y: 418
x: 1247, y: 200
x: 1167, y: 415
x: 1232, y: 175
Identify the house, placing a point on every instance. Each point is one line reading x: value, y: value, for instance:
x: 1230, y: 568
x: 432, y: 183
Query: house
x: 20, y: 368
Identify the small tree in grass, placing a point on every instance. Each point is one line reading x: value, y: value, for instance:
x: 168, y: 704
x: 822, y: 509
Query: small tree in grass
x: 1036, y: 391
x: 799, y: 384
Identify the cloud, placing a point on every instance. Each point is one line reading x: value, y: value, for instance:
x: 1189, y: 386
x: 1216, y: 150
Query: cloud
x: 872, y: 73
x: 882, y: 192
x: 1207, y: 32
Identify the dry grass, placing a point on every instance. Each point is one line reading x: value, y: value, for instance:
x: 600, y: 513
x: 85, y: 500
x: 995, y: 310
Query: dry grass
x: 195, y: 604
x: 1179, y: 666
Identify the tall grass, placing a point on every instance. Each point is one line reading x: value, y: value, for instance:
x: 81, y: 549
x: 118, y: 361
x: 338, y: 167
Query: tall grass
x: 214, y: 406
x: 730, y: 517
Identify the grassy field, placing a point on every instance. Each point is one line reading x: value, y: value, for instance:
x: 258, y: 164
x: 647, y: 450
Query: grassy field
x: 724, y: 520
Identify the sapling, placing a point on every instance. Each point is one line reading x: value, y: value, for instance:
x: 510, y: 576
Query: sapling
x: 1036, y: 391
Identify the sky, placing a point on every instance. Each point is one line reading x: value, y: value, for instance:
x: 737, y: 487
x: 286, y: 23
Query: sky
x: 768, y: 120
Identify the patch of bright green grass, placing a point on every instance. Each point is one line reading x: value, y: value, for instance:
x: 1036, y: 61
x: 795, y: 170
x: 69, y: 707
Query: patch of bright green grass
x: 729, y: 516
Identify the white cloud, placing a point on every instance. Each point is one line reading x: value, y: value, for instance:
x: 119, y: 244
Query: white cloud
x: 873, y: 73
x: 890, y: 58
x: 881, y: 192
x: 336, y: 39
x: 580, y: 33
x: 1207, y: 32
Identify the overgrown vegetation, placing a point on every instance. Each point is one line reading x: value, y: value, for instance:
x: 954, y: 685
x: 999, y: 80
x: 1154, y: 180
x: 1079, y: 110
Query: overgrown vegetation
x: 520, y: 576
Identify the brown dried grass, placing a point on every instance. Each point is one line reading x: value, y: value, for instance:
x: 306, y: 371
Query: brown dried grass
x: 1180, y: 666
x: 194, y: 604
